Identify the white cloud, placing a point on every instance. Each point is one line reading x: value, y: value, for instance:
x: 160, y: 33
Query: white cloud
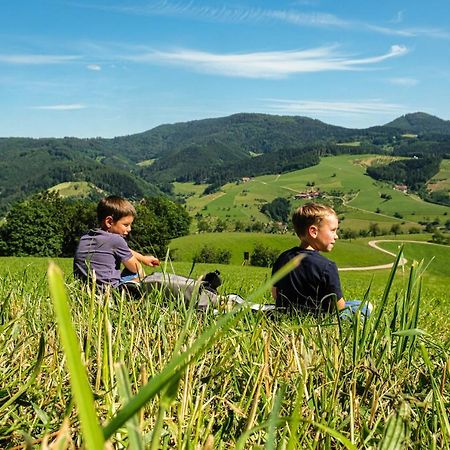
x: 67, y: 107
x: 404, y: 81
x: 277, y: 64
x: 94, y: 67
x: 242, y: 14
x: 34, y: 59
x: 411, y: 32
x: 311, y: 19
x: 370, y: 106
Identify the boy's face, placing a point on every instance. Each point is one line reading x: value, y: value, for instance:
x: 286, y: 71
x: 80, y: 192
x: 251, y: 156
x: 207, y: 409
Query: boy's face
x: 325, y: 235
x: 121, y: 226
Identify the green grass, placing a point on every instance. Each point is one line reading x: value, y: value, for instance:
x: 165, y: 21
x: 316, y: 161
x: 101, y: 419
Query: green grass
x: 345, y: 173
x: 441, y: 181
x: 163, y: 376
x: 79, y: 189
x: 345, y: 253
x: 146, y: 163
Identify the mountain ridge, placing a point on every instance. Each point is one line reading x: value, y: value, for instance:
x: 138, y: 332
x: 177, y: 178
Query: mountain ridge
x: 212, y: 150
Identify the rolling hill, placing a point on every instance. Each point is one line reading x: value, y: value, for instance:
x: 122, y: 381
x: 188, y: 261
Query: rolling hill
x: 215, y: 151
x: 366, y: 200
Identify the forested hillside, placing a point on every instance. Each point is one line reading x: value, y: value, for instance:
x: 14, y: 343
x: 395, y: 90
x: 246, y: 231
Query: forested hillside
x: 212, y: 151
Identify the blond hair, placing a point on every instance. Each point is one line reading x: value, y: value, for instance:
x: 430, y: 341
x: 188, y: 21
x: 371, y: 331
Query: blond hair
x: 310, y: 214
x: 114, y: 206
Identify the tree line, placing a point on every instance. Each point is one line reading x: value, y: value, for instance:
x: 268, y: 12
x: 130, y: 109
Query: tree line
x: 47, y: 225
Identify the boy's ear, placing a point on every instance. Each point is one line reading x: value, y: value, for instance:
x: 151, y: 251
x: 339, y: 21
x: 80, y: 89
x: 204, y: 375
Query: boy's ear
x: 108, y: 221
x: 313, y: 230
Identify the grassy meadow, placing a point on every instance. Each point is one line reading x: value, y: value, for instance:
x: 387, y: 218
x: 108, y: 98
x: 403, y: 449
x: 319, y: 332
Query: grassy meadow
x: 344, y: 173
x: 83, y: 369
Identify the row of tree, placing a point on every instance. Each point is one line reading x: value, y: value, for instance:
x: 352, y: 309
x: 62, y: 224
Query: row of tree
x: 47, y: 225
x: 413, y: 172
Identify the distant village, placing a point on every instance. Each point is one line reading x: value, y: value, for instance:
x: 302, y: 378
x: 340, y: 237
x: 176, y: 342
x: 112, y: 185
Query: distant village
x: 312, y: 194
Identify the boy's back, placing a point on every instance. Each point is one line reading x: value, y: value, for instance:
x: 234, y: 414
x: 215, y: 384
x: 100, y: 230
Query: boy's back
x: 313, y: 286
x: 102, y: 252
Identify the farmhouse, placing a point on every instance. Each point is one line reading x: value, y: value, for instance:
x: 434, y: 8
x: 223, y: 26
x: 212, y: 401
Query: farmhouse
x: 401, y: 188
x: 307, y: 195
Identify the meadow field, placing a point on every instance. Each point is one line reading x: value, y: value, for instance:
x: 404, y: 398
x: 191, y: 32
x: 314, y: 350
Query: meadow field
x: 79, y: 368
x: 344, y: 173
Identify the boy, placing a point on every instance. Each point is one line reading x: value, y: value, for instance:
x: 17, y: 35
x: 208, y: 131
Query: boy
x: 314, y: 286
x: 104, y: 249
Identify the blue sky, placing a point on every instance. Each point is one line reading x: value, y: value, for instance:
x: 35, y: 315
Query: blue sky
x: 109, y: 68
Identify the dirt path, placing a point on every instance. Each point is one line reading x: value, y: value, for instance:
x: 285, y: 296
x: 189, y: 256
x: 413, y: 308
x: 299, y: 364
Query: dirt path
x: 373, y: 244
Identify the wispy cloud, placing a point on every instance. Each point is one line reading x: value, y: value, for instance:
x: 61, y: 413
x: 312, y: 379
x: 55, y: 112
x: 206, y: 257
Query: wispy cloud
x: 277, y: 64
x: 36, y: 59
x: 370, y: 106
x: 244, y: 14
x: 404, y: 81
x: 411, y: 31
x: 94, y: 67
x: 67, y: 107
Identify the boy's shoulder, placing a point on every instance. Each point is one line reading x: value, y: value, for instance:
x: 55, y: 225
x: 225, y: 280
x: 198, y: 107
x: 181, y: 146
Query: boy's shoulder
x: 103, y: 236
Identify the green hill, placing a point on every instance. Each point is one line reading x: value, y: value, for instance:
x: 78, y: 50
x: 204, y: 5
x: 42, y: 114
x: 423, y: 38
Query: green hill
x: 345, y: 254
x: 420, y: 122
x: 215, y: 151
x: 366, y: 200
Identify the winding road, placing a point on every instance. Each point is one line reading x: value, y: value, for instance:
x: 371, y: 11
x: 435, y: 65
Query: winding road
x: 373, y: 244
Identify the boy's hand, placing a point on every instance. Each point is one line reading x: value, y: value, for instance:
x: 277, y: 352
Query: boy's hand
x: 150, y: 260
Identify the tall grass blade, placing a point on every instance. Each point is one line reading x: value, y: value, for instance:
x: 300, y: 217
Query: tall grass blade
x: 178, y: 363
x: 171, y: 371
x: 272, y: 425
x: 123, y: 383
x: 30, y: 381
x: 396, y: 431
x: 384, y: 299
x: 79, y: 381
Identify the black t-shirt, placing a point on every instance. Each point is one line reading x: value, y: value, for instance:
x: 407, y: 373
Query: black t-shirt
x: 313, y: 286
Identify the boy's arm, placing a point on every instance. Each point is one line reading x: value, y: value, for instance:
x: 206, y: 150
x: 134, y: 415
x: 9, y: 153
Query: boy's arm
x: 133, y: 265
x: 148, y: 260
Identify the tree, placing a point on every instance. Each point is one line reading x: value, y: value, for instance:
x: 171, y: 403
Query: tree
x: 204, y: 225
x: 263, y: 256
x: 213, y: 255
x: 279, y: 209
x: 374, y: 229
x: 396, y: 228
x: 171, y: 215
x: 35, y: 227
x: 150, y: 232
x: 221, y: 225
x: 79, y: 217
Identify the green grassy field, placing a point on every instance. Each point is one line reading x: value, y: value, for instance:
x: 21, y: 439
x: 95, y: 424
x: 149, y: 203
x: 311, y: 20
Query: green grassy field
x: 81, y: 368
x: 345, y: 173
x: 79, y: 189
x: 345, y: 253
x: 441, y: 181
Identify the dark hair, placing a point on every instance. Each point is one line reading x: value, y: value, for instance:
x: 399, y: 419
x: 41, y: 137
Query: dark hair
x: 116, y: 207
x: 310, y: 214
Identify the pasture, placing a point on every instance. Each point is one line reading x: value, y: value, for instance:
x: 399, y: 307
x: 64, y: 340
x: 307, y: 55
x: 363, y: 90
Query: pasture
x: 82, y: 369
x: 79, y: 368
x: 441, y: 181
x: 345, y: 173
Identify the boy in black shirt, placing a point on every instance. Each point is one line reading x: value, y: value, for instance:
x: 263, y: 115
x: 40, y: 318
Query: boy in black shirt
x: 314, y: 285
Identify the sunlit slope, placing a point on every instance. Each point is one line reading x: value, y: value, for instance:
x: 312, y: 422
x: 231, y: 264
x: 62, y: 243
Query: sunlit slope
x: 345, y: 254
x: 335, y: 175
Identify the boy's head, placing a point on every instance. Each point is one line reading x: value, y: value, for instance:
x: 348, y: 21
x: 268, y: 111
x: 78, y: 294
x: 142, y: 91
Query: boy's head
x: 316, y: 225
x: 115, y: 214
